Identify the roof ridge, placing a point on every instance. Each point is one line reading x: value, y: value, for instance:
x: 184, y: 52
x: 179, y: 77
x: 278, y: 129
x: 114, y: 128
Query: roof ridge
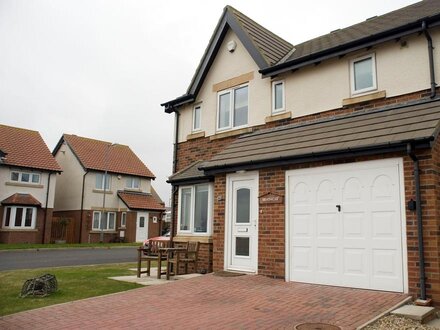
x: 96, y: 140
x: 372, y: 19
x: 236, y: 11
x: 20, y: 128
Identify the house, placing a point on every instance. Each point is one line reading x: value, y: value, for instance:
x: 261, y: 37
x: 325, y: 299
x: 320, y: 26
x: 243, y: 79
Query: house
x: 121, y: 204
x: 317, y: 162
x: 27, y: 186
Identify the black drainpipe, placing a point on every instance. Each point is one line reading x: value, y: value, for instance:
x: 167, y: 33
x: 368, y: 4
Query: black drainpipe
x: 45, y: 210
x: 82, y: 206
x: 174, y: 189
x: 410, y: 153
x: 431, y: 59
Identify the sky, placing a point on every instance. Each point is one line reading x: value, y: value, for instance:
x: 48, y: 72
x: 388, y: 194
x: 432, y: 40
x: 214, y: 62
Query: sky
x: 101, y: 68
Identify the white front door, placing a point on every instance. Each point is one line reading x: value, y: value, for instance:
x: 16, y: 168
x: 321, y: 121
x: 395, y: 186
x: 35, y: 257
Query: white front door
x: 346, y: 225
x: 141, y: 226
x: 241, y: 248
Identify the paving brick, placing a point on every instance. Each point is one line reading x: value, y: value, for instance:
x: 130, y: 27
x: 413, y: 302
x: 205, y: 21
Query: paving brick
x: 213, y: 302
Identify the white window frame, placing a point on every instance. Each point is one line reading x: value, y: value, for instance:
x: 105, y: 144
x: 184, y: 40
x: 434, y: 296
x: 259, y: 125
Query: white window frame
x: 20, y: 177
x: 231, y: 109
x: 108, y: 180
x: 191, y: 231
x: 283, y: 108
x: 199, y: 127
x: 99, y: 223
x: 132, y: 181
x: 124, y: 217
x: 23, y: 217
x: 352, y: 78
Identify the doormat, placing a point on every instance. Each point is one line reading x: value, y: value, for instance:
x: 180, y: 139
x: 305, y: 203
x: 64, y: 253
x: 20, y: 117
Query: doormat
x: 224, y: 273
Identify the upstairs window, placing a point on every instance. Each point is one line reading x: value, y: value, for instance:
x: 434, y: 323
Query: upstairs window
x: 278, y: 96
x: 25, y: 177
x: 133, y: 183
x: 363, y: 74
x: 197, y: 118
x: 233, y: 108
x: 99, y: 184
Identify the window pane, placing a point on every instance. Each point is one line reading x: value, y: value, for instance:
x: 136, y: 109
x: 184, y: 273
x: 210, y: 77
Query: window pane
x: 278, y: 96
x: 28, y: 219
x: 128, y: 182
x: 123, y: 219
x: 35, y: 178
x: 14, y: 176
x: 242, y: 246
x: 243, y: 205
x: 25, y: 177
x: 224, y: 110
x: 241, y: 106
x: 96, y: 216
x: 185, y: 209
x: 99, y: 178
x: 201, y: 209
x: 104, y: 221
x: 111, y: 220
x: 363, y: 74
x: 196, y: 124
x: 136, y: 183
x: 8, y: 216
x: 18, y: 216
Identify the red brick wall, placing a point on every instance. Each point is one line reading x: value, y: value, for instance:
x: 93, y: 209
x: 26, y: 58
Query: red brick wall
x: 271, y: 223
x: 28, y: 236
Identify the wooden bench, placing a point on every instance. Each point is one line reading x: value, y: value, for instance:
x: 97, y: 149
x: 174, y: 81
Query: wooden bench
x: 152, y: 252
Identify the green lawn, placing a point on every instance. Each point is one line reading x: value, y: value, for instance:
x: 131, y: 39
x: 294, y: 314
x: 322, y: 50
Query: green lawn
x: 62, y: 246
x: 73, y: 283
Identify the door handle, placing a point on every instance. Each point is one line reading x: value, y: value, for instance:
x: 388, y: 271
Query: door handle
x: 338, y: 207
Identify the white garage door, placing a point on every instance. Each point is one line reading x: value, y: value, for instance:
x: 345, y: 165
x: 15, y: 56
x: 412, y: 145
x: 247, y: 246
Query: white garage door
x: 345, y: 225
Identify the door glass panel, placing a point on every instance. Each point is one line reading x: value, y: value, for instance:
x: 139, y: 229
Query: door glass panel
x: 243, y: 205
x: 141, y: 222
x: 242, y: 246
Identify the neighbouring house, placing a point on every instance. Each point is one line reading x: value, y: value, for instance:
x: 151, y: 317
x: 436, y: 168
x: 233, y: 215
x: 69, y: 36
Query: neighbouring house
x: 27, y: 186
x: 317, y: 162
x: 119, y: 205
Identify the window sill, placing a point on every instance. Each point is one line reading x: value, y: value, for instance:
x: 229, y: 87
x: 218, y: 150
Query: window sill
x: 104, y: 231
x: 100, y: 191
x: 231, y: 133
x: 206, y: 238
x: 24, y: 184
x: 364, y: 98
x: 133, y: 189
x: 195, y: 135
x: 280, y: 116
x: 19, y: 229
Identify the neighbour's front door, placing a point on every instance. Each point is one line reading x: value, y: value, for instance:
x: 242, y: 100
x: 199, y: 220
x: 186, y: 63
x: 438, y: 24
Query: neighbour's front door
x: 141, y: 226
x: 242, y: 222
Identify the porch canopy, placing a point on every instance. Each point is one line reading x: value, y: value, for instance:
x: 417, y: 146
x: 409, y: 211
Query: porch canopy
x: 361, y: 133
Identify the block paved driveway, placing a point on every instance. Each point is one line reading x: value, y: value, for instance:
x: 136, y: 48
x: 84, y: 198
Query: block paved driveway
x: 213, y: 302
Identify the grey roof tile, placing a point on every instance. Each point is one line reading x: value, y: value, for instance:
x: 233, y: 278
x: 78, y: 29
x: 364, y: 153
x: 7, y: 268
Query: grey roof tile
x: 354, y: 131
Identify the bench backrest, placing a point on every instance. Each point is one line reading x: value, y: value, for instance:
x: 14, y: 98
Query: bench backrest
x: 155, y: 245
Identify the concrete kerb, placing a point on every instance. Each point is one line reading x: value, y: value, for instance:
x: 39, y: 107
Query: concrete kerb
x: 388, y: 311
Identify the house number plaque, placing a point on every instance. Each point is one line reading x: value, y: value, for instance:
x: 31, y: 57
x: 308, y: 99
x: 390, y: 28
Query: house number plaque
x: 271, y: 198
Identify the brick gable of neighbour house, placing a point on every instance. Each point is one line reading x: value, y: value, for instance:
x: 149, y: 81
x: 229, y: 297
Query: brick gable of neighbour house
x: 221, y: 157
